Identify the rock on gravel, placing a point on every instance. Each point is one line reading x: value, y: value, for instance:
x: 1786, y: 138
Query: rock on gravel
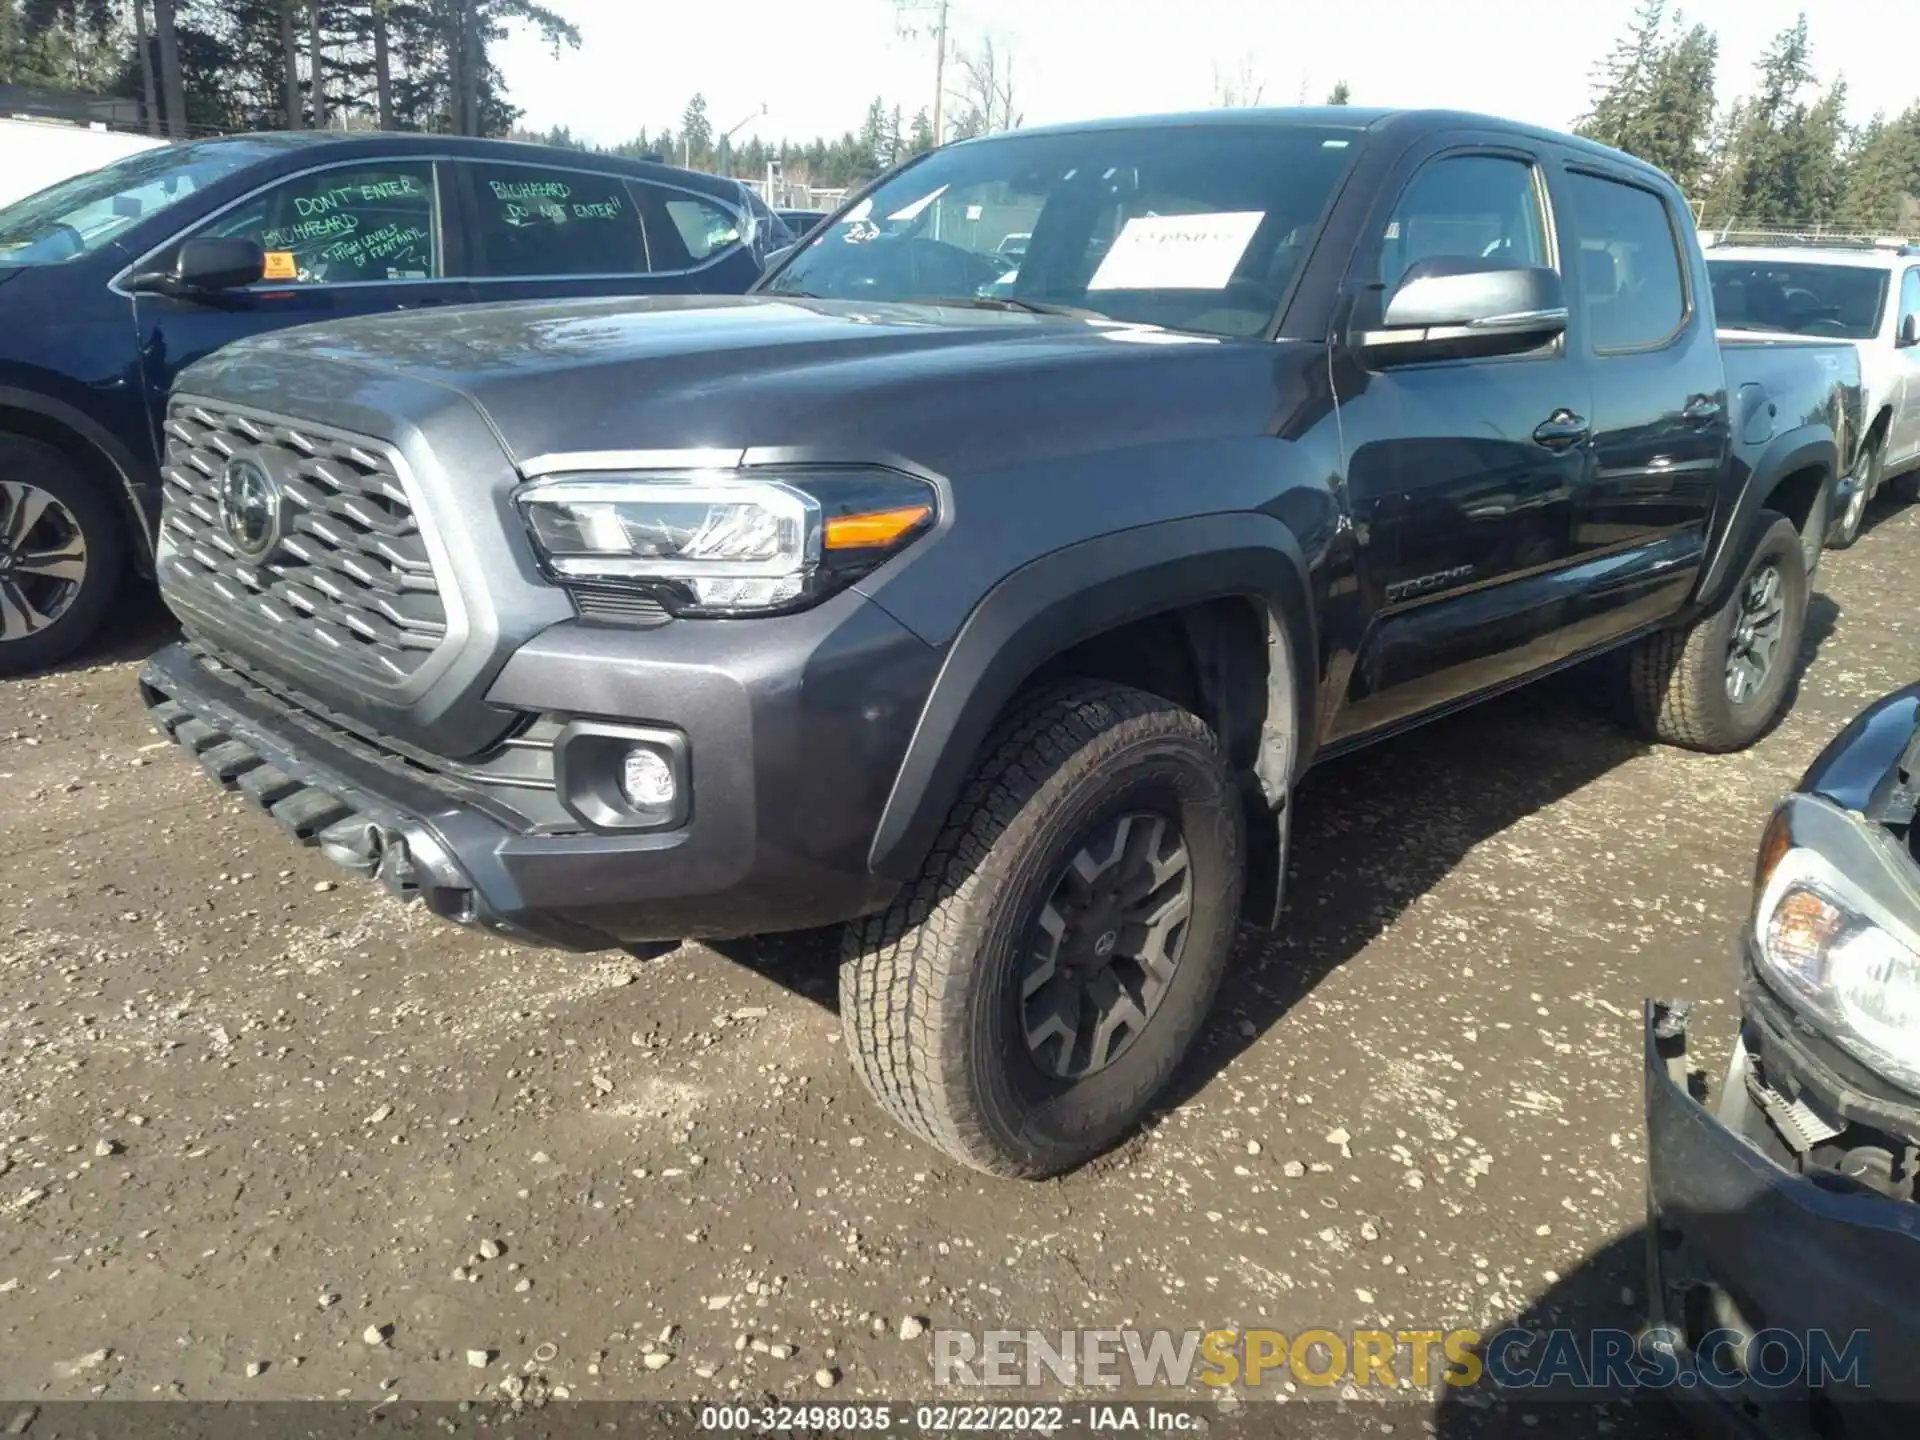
x: 912, y: 1328
x: 656, y: 1360
x: 479, y: 1359
x: 826, y: 1379
x: 376, y: 1334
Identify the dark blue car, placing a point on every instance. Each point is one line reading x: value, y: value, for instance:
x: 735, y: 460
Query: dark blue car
x: 112, y: 281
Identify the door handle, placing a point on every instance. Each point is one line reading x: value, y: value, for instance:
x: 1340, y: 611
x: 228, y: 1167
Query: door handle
x: 1562, y: 430
x: 1700, y: 409
x: 423, y: 304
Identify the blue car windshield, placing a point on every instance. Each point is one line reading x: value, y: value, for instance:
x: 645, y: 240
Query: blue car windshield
x: 79, y: 215
x: 1193, y: 227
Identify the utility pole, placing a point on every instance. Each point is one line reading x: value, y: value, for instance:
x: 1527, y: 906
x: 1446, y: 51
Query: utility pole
x: 939, y: 69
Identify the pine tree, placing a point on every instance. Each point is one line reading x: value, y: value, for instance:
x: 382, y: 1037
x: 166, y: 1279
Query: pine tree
x: 920, y: 138
x: 696, y: 133
x: 1878, y: 185
x: 873, y: 156
x: 1653, y: 96
x: 1340, y: 94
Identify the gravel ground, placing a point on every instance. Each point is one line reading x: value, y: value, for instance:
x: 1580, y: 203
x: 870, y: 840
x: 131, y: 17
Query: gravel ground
x: 264, y: 1135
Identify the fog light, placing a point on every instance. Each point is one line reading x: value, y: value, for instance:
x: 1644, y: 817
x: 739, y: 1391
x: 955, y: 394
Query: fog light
x: 647, y: 779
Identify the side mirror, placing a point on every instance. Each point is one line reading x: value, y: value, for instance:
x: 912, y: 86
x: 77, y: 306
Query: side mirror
x: 1909, y: 332
x: 205, y: 264
x: 1456, y: 307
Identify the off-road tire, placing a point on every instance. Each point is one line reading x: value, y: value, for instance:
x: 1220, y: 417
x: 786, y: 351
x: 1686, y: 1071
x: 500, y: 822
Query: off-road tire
x: 927, y: 987
x: 1677, y: 678
x: 47, y: 469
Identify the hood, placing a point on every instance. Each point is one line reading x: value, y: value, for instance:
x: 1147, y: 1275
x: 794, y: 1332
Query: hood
x: 1873, y: 766
x: 704, y: 372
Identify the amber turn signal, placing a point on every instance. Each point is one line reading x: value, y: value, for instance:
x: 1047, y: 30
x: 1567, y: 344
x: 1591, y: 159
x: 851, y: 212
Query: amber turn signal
x: 874, y: 530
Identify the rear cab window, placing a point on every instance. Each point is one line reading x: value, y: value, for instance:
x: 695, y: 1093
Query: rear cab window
x: 352, y: 224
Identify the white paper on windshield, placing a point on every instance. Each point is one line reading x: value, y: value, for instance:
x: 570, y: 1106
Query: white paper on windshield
x: 1177, y: 252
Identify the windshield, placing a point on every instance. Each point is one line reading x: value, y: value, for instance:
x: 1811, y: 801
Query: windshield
x: 1842, y: 302
x: 1195, y: 227
x: 79, y: 215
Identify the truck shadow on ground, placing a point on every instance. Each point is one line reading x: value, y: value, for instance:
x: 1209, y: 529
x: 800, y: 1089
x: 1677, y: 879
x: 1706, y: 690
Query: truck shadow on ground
x: 139, y: 624
x: 1373, y: 832
x: 1376, y: 830
x: 1605, y: 1292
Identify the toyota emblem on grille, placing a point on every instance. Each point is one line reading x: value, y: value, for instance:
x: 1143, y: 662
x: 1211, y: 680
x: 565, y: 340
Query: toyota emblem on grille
x: 250, y: 508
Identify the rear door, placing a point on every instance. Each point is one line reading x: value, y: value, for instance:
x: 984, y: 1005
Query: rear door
x: 1660, y: 427
x: 1462, y: 484
x: 347, y: 239
x: 540, y: 232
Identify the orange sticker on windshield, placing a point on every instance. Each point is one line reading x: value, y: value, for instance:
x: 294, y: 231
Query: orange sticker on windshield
x: 280, y: 266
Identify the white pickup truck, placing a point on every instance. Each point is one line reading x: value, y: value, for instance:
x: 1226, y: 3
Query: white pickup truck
x: 1868, y: 294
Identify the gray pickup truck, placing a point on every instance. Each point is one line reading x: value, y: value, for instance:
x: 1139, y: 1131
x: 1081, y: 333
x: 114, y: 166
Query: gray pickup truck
x: 994, y: 606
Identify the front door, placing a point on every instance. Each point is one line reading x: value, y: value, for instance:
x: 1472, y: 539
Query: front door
x: 343, y: 240
x: 1903, y: 440
x: 1462, y: 491
x: 1660, y: 409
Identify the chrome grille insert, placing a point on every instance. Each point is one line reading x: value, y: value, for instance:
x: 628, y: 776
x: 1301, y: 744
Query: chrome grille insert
x: 351, y: 572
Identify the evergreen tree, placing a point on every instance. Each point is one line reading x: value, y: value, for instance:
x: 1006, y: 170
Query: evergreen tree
x: 1653, y: 96
x: 1777, y: 161
x: 920, y: 138
x: 1340, y: 94
x: 696, y: 133
x: 874, y: 153
x: 1879, y: 183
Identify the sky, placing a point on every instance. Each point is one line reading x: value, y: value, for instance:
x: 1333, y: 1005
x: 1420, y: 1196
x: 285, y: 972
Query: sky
x: 815, y: 65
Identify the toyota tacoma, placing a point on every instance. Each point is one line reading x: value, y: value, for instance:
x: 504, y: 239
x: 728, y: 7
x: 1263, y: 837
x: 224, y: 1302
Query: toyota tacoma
x: 993, y: 606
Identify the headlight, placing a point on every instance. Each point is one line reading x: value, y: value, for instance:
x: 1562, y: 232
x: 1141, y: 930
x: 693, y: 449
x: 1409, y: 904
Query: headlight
x: 726, y: 542
x: 1841, y: 946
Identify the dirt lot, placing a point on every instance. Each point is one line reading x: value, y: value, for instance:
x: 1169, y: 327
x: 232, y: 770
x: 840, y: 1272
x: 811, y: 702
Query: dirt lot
x: 247, y: 1113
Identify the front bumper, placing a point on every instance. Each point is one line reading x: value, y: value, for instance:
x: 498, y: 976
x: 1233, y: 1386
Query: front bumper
x: 1737, y: 1242
x: 790, y: 762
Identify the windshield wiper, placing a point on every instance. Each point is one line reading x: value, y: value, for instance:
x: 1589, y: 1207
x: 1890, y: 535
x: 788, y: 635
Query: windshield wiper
x: 1029, y: 307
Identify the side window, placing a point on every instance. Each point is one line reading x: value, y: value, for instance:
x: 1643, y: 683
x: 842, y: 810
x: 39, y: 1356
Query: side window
x: 538, y: 222
x: 1469, y: 206
x: 1630, y: 273
x: 353, y: 224
x: 705, y: 229
x: 1909, y: 295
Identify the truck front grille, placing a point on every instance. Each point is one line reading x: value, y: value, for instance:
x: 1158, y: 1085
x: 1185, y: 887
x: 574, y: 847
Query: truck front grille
x: 350, y: 573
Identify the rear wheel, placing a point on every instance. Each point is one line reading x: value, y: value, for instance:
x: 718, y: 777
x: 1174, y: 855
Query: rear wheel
x: 61, y: 554
x: 1023, y: 1002
x: 1720, y: 683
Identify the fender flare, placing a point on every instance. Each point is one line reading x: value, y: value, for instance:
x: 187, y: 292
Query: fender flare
x: 104, y: 447
x: 1070, y: 595
x: 1810, y: 447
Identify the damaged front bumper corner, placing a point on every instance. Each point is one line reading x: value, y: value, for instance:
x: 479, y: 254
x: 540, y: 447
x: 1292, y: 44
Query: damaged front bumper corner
x: 1742, y: 1251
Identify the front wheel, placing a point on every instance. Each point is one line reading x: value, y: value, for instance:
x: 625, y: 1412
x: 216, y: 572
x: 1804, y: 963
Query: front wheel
x: 1720, y: 683
x: 1022, y: 1003
x: 1866, y: 477
x: 60, y: 556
